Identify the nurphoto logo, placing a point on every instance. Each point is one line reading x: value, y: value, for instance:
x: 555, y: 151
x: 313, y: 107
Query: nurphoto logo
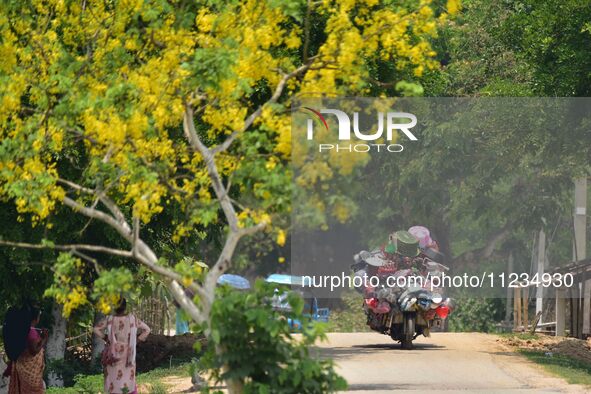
x: 400, y: 121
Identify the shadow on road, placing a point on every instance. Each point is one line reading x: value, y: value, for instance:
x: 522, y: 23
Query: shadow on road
x: 503, y: 353
x: 396, y: 346
x: 379, y: 387
x: 356, y: 350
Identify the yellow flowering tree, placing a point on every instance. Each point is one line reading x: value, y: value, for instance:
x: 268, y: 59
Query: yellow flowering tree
x: 122, y: 111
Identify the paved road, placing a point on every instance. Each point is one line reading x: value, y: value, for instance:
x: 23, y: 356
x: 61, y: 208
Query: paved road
x: 449, y: 362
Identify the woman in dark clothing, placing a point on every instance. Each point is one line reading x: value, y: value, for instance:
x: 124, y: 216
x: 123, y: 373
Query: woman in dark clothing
x: 24, y: 344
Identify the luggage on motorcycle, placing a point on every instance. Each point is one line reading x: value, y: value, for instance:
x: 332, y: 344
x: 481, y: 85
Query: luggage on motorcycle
x: 433, y: 266
x: 442, y: 311
x: 408, y: 304
x: 436, y: 299
x: 424, y: 301
x: 390, y: 247
x: 376, y: 259
x: 387, y: 269
x: 369, y: 292
x: 422, y: 234
x: 364, y: 254
x: 388, y: 294
x: 406, y: 244
x: 382, y: 307
x: 433, y: 254
x: 429, y: 315
x: 358, y: 266
x: 362, y: 274
x: 402, y: 272
x: 358, y: 258
x: 371, y: 303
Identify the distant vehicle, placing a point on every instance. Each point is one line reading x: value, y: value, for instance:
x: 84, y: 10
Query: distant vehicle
x: 296, y: 283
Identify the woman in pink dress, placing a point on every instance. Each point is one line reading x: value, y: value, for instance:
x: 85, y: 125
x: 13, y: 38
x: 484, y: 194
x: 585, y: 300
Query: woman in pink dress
x: 120, y: 332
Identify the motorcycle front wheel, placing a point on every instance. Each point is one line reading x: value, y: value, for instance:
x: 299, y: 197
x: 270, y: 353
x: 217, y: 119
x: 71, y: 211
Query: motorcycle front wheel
x: 408, y: 332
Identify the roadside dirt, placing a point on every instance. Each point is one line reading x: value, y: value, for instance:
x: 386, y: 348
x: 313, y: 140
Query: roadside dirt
x: 159, y: 349
x: 576, y: 348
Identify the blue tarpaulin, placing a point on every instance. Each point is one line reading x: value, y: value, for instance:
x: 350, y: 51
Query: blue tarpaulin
x: 236, y: 281
x: 284, y: 279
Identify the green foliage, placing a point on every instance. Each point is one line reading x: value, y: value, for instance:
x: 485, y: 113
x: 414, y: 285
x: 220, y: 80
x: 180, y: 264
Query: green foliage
x: 349, y: 317
x: 85, y: 384
x: 476, y: 314
x: 480, y: 56
x: 191, y: 269
x: 74, y: 373
x: 72, y: 285
x: 111, y: 285
x: 158, y: 388
x: 68, y: 287
x: 553, y: 38
x: 518, y: 48
x: 251, y: 343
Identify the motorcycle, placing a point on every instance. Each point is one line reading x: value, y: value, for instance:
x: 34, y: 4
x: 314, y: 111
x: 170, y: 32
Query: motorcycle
x: 396, y: 306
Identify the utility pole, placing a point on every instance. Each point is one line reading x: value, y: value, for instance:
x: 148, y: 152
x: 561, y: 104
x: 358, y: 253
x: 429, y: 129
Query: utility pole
x: 540, y: 272
x: 580, y: 253
x: 508, y: 307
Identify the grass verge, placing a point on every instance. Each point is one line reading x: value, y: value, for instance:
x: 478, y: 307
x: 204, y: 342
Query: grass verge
x: 568, y: 368
x: 519, y: 335
x: 151, y: 381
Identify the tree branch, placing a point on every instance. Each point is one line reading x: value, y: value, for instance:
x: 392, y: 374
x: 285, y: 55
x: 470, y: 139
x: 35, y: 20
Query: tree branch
x: 487, y: 250
x: 208, y: 157
x: 136, y: 235
x: 225, y: 257
x: 76, y: 186
x: 70, y: 247
x: 250, y: 120
x: 121, y: 227
x: 101, y: 195
x: 143, y: 253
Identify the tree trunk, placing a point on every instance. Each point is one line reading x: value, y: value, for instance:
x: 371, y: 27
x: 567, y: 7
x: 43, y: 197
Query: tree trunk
x: 441, y: 232
x: 3, y: 381
x: 234, y: 386
x: 56, y: 345
x: 97, y: 343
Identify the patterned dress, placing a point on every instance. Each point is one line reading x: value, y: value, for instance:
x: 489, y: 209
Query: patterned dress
x: 120, y: 376
x: 26, y: 376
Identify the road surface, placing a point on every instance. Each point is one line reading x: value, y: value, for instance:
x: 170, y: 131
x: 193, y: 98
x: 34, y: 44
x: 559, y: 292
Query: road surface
x: 448, y: 362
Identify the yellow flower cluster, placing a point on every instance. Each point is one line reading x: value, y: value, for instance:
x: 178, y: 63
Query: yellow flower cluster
x: 146, y: 197
x: 281, y: 238
x: 73, y: 300
x: 249, y: 217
